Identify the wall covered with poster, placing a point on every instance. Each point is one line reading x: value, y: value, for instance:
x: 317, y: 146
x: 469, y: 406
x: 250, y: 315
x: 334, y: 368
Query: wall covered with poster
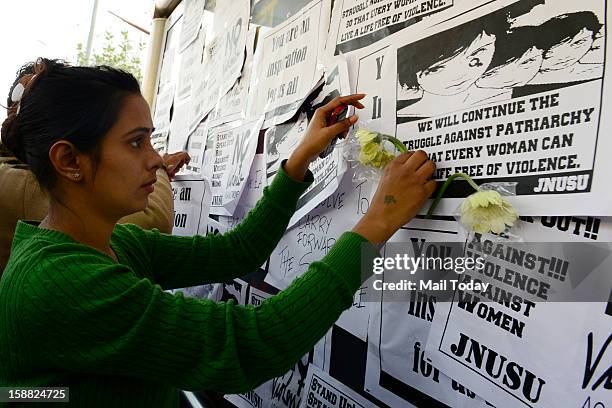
x: 507, y: 91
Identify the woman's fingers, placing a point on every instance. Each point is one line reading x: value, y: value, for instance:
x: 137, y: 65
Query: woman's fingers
x: 416, y: 160
x: 426, y: 170
x: 340, y: 127
x: 401, y: 158
x: 342, y: 100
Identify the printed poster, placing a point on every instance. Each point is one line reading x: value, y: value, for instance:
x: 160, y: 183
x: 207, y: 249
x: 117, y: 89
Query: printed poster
x: 399, y: 372
x: 540, y: 348
x: 234, y: 148
x: 281, y: 141
x: 505, y: 94
x: 288, y: 67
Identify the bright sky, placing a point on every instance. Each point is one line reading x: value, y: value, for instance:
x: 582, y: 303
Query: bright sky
x: 52, y: 28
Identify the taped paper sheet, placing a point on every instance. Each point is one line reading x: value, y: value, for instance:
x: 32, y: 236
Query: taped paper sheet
x: 253, y: 191
x: 234, y: 105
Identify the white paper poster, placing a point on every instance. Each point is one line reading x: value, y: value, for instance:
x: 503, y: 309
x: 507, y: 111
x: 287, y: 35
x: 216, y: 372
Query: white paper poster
x: 223, y: 58
x: 533, y: 351
x: 234, y: 104
x: 322, y: 390
x: 399, y: 372
x: 234, y: 148
x: 231, y: 26
x: 260, y: 396
x: 191, y: 58
x: 357, y: 24
x: 189, y: 205
x: 196, y: 146
x: 518, y: 107
x: 192, y: 16
x: 163, y: 104
x: 159, y: 141
x: 253, y: 191
x: 286, y: 391
x: 281, y: 140
x: 315, y: 234
x: 179, y: 128
x: 288, y: 67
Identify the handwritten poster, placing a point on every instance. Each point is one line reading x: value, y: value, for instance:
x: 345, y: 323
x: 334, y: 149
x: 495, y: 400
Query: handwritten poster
x: 253, y: 191
x: 315, y: 233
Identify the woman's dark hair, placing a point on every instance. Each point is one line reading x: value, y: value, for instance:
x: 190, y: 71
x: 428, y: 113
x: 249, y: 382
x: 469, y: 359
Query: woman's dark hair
x: 422, y: 54
x: 564, y: 27
x: 77, y: 104
x: 514, y: 45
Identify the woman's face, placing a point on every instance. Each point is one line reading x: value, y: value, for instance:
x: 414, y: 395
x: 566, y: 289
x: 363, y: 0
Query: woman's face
x: 596, y: 53
x: 515, y: 73
x: 568, y: 52
x: 126, y: 170
x: 456, y: 74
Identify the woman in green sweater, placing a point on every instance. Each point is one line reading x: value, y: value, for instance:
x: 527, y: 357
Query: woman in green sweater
x: 82, y: 298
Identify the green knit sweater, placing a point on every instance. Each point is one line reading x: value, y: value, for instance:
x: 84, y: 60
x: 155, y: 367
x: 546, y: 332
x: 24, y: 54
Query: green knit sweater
x: 71, y: 316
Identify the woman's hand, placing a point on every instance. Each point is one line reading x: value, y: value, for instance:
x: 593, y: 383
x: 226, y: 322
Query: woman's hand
x: 403, y: 189
x: 174, y: 162
x: 319, y: 135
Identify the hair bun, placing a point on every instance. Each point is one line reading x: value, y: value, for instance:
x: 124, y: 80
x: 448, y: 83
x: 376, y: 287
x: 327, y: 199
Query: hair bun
x: 9, y: 138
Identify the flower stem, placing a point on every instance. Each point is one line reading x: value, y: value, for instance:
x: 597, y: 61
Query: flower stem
x: 445, y: 186
x: 397, y: 143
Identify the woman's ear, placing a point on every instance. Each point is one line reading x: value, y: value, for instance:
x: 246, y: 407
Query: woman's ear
x: 68, y: 162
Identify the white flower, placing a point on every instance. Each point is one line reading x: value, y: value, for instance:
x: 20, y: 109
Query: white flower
x: 365, y: 136
x: 487, y: 211
x: 373, y: 152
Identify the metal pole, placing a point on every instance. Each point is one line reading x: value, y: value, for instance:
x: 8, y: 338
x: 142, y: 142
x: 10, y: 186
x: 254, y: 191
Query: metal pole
x: 92, y: 27
x: 125, y: 20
